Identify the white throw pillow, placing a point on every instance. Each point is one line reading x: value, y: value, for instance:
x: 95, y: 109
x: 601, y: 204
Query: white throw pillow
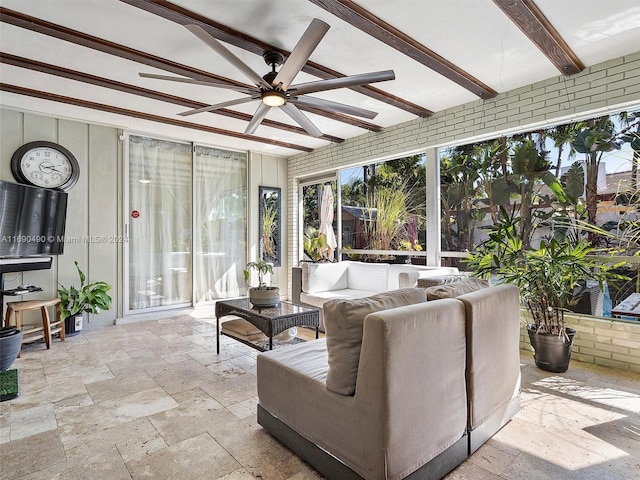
x: 323, y: 277
x: 368, y: 276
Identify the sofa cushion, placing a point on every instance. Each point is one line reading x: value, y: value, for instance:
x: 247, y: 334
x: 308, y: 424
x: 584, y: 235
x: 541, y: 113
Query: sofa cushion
x: 241, y: 327
x: 455, y: 289
x: 344, y: 321
x: 320, y: 298
x: 441, y: 280
x: 367, y: 276
x: 321, y: 277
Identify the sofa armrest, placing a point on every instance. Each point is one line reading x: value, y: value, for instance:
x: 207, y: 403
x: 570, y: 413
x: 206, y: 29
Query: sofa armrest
x: 493, y: 346
x: 412, y: 369
x: 410, y: 278
x: 296, y: 284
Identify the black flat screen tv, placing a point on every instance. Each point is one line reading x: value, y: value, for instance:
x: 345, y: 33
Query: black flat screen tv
x: 32, y: 220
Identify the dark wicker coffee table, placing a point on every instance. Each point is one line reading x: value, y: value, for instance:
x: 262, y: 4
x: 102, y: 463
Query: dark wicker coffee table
x: 271, y: 321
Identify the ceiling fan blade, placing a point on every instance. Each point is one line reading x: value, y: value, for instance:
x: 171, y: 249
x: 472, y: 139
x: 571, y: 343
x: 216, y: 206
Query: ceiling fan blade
x: 301, y: 53
x: 340, y: 82
x: 255, y: 122
x: 333, y: 106
x: 301, y: 119
x: 217, y: 106
x: 206, y: 83
x: 227, y: 55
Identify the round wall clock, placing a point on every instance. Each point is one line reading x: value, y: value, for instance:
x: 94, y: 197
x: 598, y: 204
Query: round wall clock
x: 45, y: 164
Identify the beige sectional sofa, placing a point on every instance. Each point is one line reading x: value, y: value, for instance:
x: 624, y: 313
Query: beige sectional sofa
x: 313, y: 284
x: 400, y: 388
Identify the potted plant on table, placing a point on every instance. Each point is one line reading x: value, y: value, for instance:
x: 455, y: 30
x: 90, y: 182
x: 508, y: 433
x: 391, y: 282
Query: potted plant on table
x: 89, y: 297
x: 549, y: 279
x: 262, y: 295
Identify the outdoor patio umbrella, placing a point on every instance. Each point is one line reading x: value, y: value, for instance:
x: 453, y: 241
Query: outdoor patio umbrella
x: 326, y: 222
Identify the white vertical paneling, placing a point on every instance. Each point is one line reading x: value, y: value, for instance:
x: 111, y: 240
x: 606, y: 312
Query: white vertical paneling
x: 41, y: 128
x: 11, y: 134
x: 103, y: 210
x: 268, y: 171
x: 283, y: 271
x: 11, y: 139
x: 74, y: 136
x: 255, y: 177
x: 92, y: 202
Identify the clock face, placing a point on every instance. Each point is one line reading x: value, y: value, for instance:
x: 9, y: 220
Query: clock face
x: 45, y: 164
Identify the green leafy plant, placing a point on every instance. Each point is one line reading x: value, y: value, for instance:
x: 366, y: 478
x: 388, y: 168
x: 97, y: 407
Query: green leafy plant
x: 409, y: 246
x: 262, y: 268
x: 313, y: 243
x: 547, y: 276
x: 269, y: 228
x: 385, y: 223
x: 90, y: 297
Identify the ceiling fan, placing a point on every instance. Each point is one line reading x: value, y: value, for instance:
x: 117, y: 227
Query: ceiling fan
x: 275, y: 89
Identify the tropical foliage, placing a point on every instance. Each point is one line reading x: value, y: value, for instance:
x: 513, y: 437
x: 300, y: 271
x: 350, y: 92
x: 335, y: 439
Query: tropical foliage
x: 89, y: 297
x: 313, y: 243
x: 517, y: 171
x: 262, y: 268
x: 269, y: 229
x: 548, y: 276
x: 392, y: 198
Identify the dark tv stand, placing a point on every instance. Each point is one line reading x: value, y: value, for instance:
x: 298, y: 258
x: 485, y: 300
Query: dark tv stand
x: 20, y: 264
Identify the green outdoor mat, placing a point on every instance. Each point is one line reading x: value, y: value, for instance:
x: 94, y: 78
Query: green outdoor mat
x: 9, y: 387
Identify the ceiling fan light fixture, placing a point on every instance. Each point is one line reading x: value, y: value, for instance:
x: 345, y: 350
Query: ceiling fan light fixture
x: 273, y: 98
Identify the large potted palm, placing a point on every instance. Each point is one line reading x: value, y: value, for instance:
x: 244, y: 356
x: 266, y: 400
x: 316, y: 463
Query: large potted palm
x: 549, y: 278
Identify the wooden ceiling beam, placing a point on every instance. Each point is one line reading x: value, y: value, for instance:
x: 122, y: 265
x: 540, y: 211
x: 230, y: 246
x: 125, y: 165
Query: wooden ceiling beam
x: 532, y: 22
x: 364, y: 20
x: 79, y: 38
x: 5, y: 87
x: 56, y: 70
x: 183, y: 16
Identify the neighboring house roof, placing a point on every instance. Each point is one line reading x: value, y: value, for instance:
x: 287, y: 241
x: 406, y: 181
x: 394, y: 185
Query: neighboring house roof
x: 360, y: 213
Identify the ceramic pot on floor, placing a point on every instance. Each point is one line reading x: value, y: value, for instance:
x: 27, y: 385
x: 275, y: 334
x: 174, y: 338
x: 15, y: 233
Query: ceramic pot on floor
x: 10, y: 343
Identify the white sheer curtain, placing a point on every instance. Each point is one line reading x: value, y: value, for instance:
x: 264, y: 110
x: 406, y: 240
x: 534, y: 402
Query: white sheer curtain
x: 160, y: 200
x: 221, y: 223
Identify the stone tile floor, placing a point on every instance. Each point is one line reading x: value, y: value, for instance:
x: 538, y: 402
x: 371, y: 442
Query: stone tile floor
x: 152, y: 400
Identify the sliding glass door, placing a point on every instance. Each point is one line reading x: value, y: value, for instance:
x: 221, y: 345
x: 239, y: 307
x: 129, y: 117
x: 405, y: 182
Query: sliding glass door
x: 221, y: 223
x: 187, y: 221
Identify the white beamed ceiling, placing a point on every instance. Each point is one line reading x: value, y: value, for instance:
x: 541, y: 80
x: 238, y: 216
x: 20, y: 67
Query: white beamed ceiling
x: 475, y: 35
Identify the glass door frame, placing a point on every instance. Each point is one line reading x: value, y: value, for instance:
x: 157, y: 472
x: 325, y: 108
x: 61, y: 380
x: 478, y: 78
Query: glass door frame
x: 127, y: 311
x: 333, y: 176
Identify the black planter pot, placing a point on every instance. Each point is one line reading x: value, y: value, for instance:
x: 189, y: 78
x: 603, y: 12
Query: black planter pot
x: 552, y: 352
x: 73, y: 325
x: 10, y: 343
